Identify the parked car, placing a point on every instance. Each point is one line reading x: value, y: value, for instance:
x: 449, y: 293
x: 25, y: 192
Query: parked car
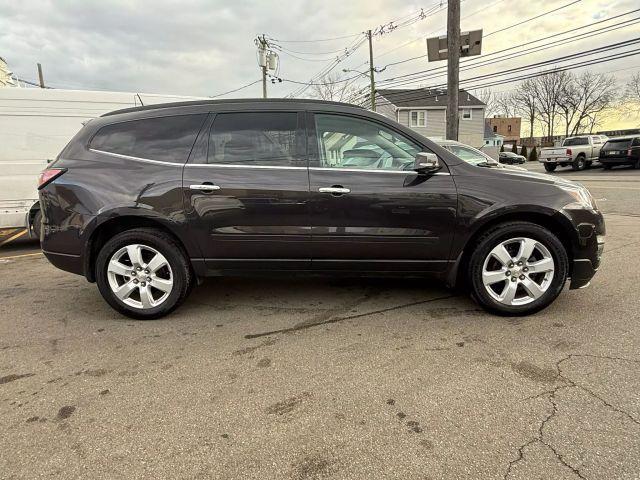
x: 511, y: 158
x: 146, y: 201
x: 473, y: 155
x: 621, y: 151
x: 579, y: 152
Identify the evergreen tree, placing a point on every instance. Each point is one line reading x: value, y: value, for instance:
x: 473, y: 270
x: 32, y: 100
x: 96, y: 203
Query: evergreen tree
x: 523, y: 152
x: 502, y: 148
x: 533, y: 155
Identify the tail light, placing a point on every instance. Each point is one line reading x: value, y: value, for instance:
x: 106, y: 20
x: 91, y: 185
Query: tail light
x: 49, y: 175
x: 629, y: 153
x: 568, y: 152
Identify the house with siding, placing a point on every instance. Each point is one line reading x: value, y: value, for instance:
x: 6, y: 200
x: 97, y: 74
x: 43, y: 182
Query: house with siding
x: 424, y: 110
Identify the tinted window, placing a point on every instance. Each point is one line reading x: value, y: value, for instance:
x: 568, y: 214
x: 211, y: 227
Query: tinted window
x: 576, y: 141
x: 347, y: 142
x: 621, y: 144
x: 262, y: 138
x: 168, y: 139
x: 470, y: 155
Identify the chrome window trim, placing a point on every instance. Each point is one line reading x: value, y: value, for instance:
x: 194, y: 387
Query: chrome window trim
x: 139, y: 159
x: 228, y: 165
x: 268, y: 167
x: 364, y: 170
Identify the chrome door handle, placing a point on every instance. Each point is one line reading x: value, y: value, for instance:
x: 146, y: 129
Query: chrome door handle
x: 205, y: 187
x: 334, y: 190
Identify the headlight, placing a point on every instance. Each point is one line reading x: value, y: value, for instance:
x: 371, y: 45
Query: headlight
x: 583, y: 198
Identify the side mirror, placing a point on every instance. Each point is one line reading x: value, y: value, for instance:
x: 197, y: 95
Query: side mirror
x: 426, y: 162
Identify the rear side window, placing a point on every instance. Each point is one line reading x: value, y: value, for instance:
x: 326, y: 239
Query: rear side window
x: 256, y: 139
x: 168, y: 139
x: 576, y: 141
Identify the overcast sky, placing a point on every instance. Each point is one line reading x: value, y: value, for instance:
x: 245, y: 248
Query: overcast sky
x: 204, y: 48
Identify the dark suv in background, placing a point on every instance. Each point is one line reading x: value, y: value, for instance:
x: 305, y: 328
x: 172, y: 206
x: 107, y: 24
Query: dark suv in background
x: 620, y: 151
x: 145, y: 201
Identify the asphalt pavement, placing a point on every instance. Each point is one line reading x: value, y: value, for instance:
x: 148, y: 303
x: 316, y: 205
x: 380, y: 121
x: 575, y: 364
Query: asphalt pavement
x: 310, y: 379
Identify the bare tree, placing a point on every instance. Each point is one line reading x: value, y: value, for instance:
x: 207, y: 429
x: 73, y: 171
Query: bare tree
x: 526, y: 103
x: 505, y: 104
x: 632, y: 92
x: 334, y: 87
x: 486, y: 96
x: 594, y: 93
x: 548, y: 88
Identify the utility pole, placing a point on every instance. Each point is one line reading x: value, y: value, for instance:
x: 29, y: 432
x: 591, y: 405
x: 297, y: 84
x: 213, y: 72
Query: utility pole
x: 371, y: 72
x: 453, y: 67
x: 262, y: 45
x: 40, y: 76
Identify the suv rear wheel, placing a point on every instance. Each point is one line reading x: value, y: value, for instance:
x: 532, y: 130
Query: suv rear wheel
x: 143, y: 273
x: 517, y: 268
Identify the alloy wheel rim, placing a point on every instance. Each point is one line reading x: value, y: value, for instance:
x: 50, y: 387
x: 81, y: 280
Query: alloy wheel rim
x: 140, y: 276
x: 518, y: 271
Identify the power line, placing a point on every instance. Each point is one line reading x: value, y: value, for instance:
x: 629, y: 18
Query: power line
x: 236, y: 89
x: 415, y: 95
x: 532, y: 18
x: 483, y: 61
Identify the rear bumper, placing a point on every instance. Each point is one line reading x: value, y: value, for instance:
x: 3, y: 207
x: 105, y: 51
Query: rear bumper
x: 617, y: 160
x: 556, y: 160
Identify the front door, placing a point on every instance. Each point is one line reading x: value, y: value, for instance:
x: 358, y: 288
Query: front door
x: 369, y: 210
x: 246, y: 192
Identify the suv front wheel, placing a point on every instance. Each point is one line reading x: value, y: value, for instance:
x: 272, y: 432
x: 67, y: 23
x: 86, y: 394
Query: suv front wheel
x: 143, y: 273
x: 517, y: 268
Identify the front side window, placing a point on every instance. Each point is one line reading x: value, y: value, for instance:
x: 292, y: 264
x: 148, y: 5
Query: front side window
x: 255, y: 139
x: 470, y: 155
x: 418, y: 118
x: 347, y: 142
x: 167, y: 139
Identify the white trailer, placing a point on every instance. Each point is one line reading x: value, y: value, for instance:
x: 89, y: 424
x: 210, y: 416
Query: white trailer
x: 35, y: 125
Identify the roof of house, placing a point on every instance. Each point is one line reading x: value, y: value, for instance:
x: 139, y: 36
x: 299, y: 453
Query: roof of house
x: 426, y: 97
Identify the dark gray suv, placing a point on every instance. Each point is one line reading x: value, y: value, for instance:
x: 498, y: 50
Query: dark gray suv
x: 146, y: 201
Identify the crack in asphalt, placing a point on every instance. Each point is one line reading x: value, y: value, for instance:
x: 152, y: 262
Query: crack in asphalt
x: 568, y: 383
x: 329, y: 317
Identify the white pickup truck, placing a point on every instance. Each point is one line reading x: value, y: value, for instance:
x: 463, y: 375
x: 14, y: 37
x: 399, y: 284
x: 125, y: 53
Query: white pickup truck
x: 35, y: 124
x: 579, y: 152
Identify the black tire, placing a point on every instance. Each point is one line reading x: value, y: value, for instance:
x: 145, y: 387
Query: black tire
x: 579, y: 163
x: 637, y: 164
x: 36, y: 224
x: 183, y: 278
x: 607, y: 166
x: 494, y: 237
x: 550, y: 167
x: 588, y: 164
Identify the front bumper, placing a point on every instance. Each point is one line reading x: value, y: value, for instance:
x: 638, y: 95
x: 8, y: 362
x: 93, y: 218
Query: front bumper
x: 584, y: 269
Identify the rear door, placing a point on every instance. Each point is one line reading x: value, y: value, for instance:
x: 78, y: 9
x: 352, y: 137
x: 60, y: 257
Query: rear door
x: 246, y: 190
x: 369, y: 210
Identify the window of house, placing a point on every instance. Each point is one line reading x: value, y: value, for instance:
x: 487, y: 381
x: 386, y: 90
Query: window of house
x: 508, y: 128
x: 418, y: 118
x: 167, y: 139
x: 255, y: 138
x: 354, y: 143
x: 495, y: 129
x: 466, y: 114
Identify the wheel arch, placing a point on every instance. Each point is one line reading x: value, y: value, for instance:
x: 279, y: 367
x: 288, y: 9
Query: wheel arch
x: 552, y: 221
x: 115, y: 225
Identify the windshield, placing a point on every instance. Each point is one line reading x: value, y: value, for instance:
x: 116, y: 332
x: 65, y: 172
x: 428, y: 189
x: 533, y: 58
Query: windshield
x: 576, y: 141
x: 470, y: 155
